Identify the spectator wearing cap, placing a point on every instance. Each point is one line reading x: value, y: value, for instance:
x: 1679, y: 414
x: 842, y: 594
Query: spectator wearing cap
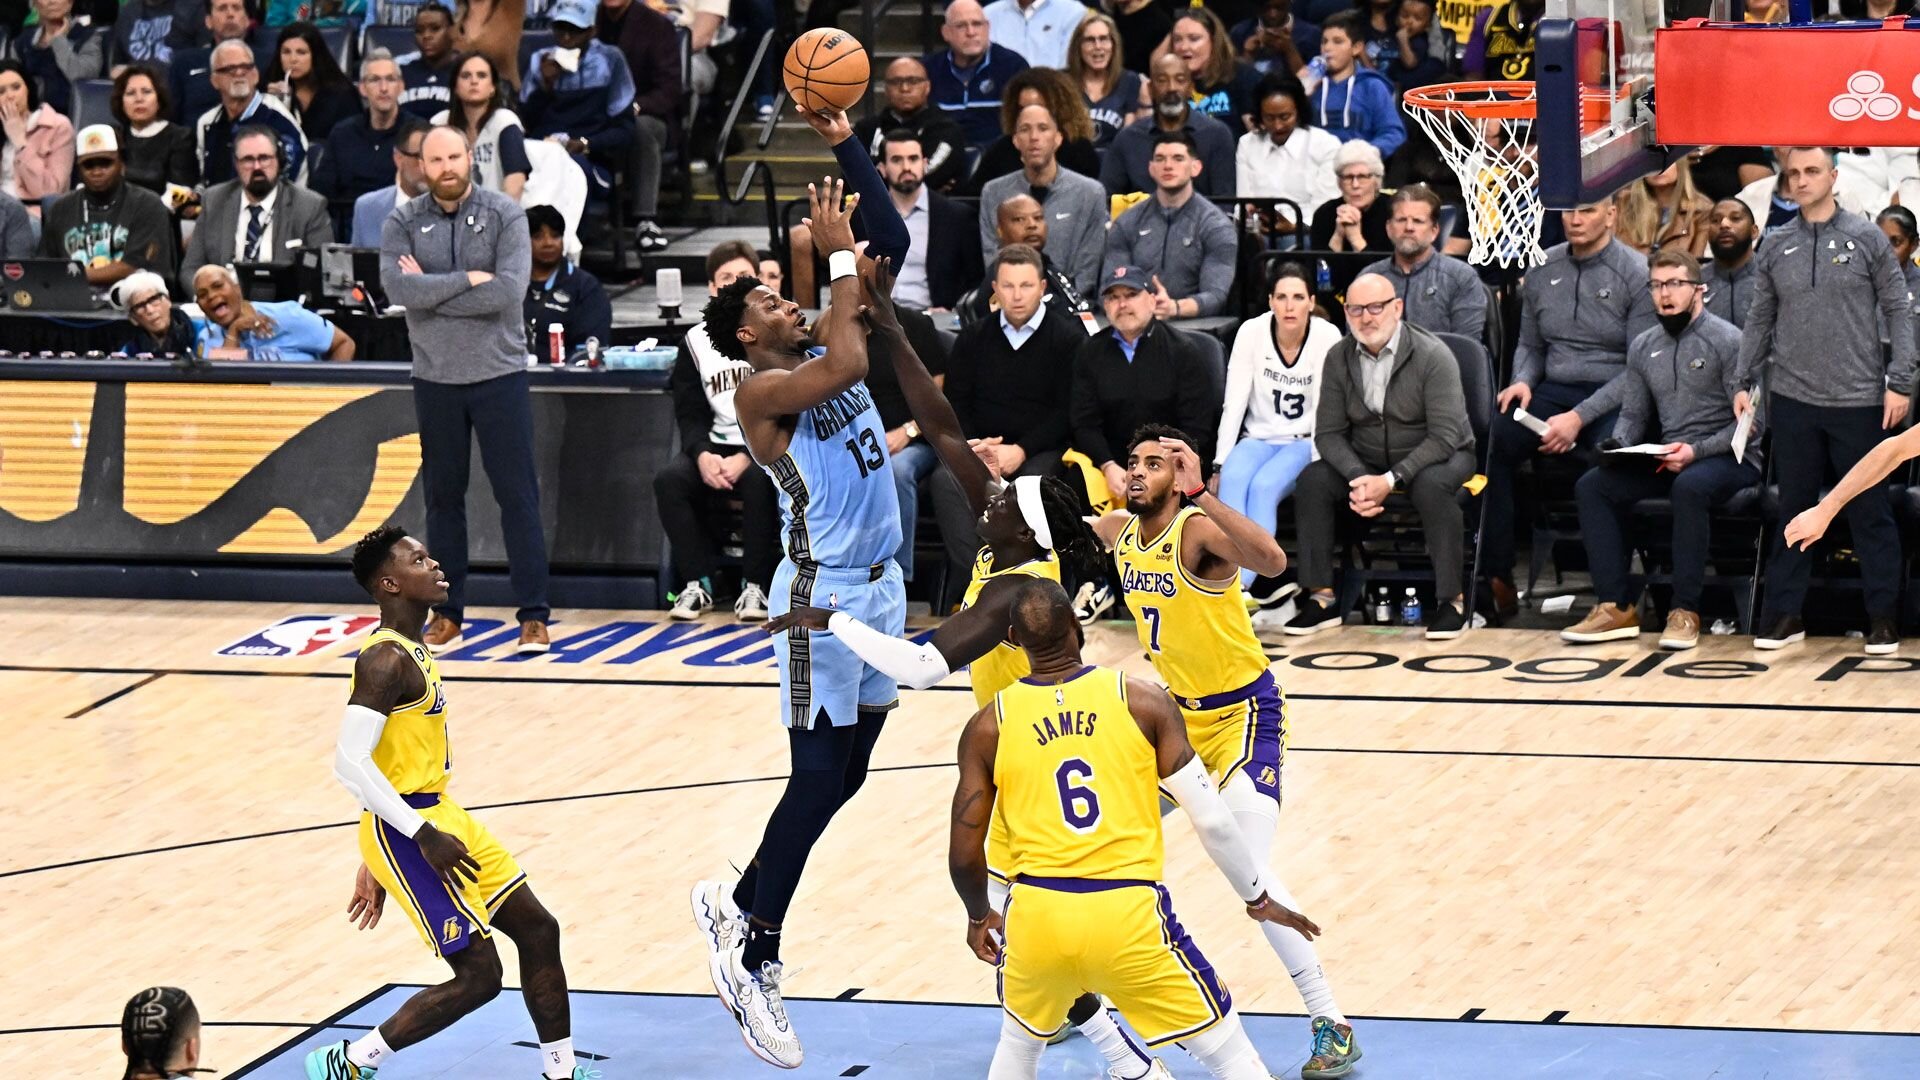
x: 257, y: 217
x: 969, y: 75
x: 1357, y: 220
x: 1036, y: 29
x: 651, y: 46
x: 427, y: 72
x: 360, y: 147
x: 1139, y: 372
x: 58, y: 51
x: 1442, y: 294
x: 1128, y: 164
x: 239, y: 329
x: 558, y: 291
x: 409, y: 182
x: 1187, y: 243
x: 579, y: 94
x: 1728, y: 276
x: 39, y: 141
x: 109, y: 226
x: 159, y: 327
x: 242, y: 104
x: 1076, y: 205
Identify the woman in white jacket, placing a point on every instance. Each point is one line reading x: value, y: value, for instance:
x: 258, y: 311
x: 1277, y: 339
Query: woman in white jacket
x: 1273, y: 386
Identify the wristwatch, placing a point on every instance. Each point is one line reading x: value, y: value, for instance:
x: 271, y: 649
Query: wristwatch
x: 912, y: 429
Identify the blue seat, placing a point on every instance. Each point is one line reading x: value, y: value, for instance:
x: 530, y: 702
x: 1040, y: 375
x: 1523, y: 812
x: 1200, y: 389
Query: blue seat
x: 339, y: 41
x: 92, y: 102
x: 532, y: 41
x: 397, y: 40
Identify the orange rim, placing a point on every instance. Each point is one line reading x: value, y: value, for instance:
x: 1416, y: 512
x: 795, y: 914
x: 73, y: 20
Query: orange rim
x: 1503, y: 100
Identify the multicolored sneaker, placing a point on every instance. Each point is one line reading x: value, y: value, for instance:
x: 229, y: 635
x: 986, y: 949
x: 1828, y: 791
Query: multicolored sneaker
x: 330, y: 1063
x: 1335, y: 1051
x: 723, y: 931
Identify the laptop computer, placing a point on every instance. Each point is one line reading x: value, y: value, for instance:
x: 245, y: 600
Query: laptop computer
x: 33, y: 285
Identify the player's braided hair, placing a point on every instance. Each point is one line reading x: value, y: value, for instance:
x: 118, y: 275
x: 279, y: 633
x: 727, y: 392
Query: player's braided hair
x: 1073, y: 539
x: 724, y: 314
x: 152, y: 1027
x: 372, y: 552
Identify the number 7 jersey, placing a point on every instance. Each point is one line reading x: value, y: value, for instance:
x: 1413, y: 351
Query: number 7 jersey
x: 837, y: 499
x: 1079, y: 784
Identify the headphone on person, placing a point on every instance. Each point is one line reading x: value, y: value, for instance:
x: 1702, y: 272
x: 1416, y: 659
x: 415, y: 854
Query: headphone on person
x: 248, y: 131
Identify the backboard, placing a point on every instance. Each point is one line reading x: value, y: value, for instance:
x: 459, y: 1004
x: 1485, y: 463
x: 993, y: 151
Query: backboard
x: 1594, y: 62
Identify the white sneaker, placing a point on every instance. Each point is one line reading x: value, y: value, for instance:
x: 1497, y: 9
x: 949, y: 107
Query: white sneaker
x: 723, y: 931
x: 692, y: 602
x: 752, y: 605
x: 1092, y: 601
x: 1157, y: 1072
x: 762, y: 1014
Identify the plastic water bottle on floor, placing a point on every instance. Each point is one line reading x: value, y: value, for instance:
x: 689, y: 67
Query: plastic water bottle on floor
x: 1382, y: 606
x: 1410, y: 608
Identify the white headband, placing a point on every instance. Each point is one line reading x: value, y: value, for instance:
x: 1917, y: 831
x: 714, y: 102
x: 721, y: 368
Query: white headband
x: 1026, y: 492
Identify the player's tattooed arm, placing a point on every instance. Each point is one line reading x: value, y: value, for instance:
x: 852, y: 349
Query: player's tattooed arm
x: 972, y: 806
x: 384, y: 679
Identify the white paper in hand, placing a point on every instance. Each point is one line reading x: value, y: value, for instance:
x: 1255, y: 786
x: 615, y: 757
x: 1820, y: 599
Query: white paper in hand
x: 1648, y: 448
x: 1741, y: 431
x: 1529, y: 421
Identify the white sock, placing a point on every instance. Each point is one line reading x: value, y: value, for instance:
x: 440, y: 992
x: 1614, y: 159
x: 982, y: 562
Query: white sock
x: 1226, y: 1052
x: 1258, y: 817
x: 1123, y: 1055
x: 370, y: 1050
x: 1018, y: 1055
x: 556, y: 1059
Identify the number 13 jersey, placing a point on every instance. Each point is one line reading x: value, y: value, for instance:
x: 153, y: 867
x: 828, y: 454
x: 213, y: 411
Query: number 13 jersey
x: 1079, y: 784
x: 837, y: 499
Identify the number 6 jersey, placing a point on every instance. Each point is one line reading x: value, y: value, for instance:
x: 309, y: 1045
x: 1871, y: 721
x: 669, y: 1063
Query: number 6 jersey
x: 1079, y: 784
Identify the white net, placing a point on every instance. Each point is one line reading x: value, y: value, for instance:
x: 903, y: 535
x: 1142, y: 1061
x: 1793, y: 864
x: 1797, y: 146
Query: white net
x: 1485, y: 133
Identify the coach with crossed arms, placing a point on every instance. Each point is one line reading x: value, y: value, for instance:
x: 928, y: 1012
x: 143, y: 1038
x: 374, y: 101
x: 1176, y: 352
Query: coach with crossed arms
x: 1821, y: 279
x: 458, y: 258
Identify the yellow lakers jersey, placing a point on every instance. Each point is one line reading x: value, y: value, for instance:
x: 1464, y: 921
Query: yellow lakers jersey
x: 413, y: 752
x: 1197, y: 632
x: 1079, y: 784
x: 1005, y: 663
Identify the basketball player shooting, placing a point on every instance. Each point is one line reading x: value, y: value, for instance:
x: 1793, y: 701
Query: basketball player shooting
x: 1180, y: 551
x: 809, y: 420
x: 456, y: 882
x: 1074, y: 757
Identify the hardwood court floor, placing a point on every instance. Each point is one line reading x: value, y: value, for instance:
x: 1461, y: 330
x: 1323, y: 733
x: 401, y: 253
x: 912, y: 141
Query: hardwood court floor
x: 1502, y: 823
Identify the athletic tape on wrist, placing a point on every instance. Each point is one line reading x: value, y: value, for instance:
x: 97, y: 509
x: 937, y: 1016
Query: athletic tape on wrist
x: 842, y: 263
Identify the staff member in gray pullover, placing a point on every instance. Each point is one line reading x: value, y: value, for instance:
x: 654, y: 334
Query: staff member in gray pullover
x: 1442, y: 294
x: 1183, y: 240
x: 1825, y: 280
x: 458, y: 259
x: 1579, y: 310
x: 1677, y: 391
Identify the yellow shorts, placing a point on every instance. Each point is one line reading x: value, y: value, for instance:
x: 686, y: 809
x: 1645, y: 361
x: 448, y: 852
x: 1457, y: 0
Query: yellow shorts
x: 447, y: 919
x: 1244, y: 729
x: 1068, y: 936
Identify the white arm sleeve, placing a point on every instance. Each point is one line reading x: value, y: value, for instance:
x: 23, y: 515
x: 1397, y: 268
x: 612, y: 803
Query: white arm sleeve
x: 910, y: 665
x: 1193, y: 789
x: 353, y: 766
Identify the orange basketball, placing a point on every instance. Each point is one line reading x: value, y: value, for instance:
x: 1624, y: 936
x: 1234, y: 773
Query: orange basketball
x: 827, y: 69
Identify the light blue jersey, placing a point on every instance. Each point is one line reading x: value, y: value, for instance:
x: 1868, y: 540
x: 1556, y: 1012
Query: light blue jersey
x: 837, y: 499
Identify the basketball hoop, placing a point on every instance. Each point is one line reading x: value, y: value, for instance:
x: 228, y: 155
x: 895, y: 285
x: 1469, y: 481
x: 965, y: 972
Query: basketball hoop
x: 1484, y: 130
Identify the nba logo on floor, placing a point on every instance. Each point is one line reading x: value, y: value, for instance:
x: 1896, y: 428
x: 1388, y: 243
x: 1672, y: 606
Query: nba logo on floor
x: 299, y: 635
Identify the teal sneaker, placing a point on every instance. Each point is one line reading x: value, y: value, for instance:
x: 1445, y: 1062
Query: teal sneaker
x: 330, y: 1063
x: 1335, y: 1051
x: 581, y: 1072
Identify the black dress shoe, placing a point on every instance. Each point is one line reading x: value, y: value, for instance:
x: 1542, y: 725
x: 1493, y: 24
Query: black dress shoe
x: 1883, y: 636
x: 1784, y: 630
x: 1447, y: 623
x: 1312, y: 615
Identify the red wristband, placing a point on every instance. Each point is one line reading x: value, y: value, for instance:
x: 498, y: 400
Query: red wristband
x: 1196, y: 492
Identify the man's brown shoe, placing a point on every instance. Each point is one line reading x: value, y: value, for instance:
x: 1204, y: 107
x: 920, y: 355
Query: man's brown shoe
x: 533, y: 637
x: 1606, y: 622
x: 443, y: 635
x: 1683, y: 630
x: 1506, y: 602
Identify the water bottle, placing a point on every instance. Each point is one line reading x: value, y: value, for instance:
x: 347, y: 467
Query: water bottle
x: 556, y: 344
x: 1382, y: 606
x: 1323, y: 277
x: 1410, y: 608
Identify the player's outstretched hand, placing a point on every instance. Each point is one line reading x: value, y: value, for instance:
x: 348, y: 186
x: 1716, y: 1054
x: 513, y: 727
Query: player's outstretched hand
x: 830, y: 214
x: 878, y: 281
x: 1186, y: 464
x: 1269, y: 910
x: 447, y: 855
x: 369, y: 898
x: 1808, y: 526
x: 832, y: 124
x: 811, y: 618
x: 984, y: 937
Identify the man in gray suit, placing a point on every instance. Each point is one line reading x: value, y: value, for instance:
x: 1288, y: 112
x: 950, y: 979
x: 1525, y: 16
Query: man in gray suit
x: 254, y: 218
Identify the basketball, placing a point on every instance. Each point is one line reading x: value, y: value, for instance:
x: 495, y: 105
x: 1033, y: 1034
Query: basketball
x: 827, y: 69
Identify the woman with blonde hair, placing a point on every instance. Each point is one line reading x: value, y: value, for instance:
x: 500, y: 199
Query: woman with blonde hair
x: 1223, y: 86
x: 1115, y: 97
x: 1665, y: 212
x: 1054, y: 91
